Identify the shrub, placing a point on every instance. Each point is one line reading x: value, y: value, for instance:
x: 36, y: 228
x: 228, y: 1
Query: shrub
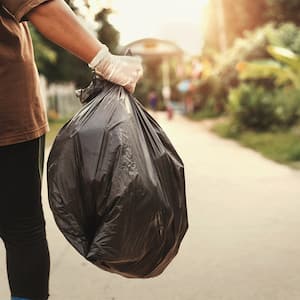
x: 287, y: 106
x: 252, y: 106
x: 255, y: 107
x: 252, y: 47
x: 287, y: 36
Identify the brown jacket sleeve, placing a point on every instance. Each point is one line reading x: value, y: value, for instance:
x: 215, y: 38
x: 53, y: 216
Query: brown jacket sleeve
x: 19, y: 8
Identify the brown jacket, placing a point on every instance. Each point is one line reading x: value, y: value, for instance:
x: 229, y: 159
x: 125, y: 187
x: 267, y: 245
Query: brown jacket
x: 22, y: 111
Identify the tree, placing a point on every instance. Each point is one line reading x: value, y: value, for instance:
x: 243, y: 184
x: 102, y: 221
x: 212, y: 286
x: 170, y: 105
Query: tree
x: 107, y: 33
x: 43, y: 53
x: 284, y: 10
x: 60, y: 66
x: 55, y: 63
x: 245, y: 15
x: 239, y: 16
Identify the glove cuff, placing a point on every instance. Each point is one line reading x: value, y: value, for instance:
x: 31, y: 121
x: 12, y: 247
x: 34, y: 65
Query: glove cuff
x: 103, y: 52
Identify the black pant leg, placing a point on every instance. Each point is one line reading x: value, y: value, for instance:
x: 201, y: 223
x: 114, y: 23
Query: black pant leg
x: 22, y: 224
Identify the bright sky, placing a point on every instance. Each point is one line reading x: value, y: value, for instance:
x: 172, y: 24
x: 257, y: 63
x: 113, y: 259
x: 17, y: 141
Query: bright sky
x: 177, y: 20
x: 180, y: 21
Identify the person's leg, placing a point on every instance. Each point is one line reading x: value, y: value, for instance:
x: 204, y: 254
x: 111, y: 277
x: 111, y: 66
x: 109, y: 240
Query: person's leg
x: 22, y: 225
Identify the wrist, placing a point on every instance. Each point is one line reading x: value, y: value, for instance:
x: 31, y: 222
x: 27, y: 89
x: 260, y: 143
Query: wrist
x: 102, y: 54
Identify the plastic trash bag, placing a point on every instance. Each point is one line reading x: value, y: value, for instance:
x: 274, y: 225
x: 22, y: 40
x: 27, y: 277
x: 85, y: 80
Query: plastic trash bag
x: 116, y: 185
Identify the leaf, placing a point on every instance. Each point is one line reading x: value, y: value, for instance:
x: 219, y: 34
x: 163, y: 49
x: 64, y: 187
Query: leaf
x: 285, y: 55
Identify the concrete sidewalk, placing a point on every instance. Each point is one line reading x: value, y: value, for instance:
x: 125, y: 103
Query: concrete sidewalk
x: 243, y: 242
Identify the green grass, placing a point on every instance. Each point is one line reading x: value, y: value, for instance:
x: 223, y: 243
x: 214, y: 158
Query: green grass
x: 202, y: 115
x: 281, y: 146
x: 55, y: 126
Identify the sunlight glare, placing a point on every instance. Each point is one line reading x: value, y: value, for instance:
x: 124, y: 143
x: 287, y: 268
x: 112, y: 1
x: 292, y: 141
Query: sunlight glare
x: 175, y: 20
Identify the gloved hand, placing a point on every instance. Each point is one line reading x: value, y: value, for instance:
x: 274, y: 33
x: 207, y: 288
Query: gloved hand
x: 122, y: 70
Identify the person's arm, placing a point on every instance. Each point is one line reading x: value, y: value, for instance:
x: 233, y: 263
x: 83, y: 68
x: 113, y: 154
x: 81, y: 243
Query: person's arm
x: 57, y: 22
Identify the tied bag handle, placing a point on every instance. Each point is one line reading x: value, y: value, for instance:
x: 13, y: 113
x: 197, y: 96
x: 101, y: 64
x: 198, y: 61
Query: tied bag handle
x: 88, y: 93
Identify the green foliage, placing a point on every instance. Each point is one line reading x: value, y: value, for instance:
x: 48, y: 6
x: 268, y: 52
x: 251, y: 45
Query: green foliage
x: 225, y: 75
x: 291, y: 61
x: 252, y: 58
x: 43, y: 53
x: 283, y: 74
x: 255, y: 47
x: 261, y: 69
x: 252, y: 47
x: 252, y: 106
x: 287, y: 107
x: 286, y: 56
x: 255, y: 107
x: 286, y: 35
x: 269, y: 69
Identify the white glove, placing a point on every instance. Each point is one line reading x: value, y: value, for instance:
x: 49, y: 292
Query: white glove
x: 122, y: 70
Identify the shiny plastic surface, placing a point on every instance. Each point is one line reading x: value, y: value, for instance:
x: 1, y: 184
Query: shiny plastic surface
x: 116, y: 185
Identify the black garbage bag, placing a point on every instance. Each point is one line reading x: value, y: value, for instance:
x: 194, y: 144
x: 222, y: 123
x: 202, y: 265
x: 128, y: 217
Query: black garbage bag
x: 116, y: 185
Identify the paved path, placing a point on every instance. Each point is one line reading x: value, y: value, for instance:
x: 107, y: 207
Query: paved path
x: 244, y: 236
